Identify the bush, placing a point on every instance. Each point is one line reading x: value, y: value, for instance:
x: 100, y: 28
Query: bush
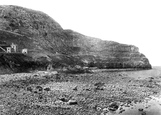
x: 77, y: 70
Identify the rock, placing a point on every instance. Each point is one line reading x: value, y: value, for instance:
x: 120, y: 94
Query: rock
x: 47, y: 89
x: 120, y: 75
x: 72, y: 102
x: 58, y: 102
x: 149, y: 86
x: 51, y: 73
x: 102, y: 113
x: 113, y: 106
x: 35, y: 75
x: 39, y: 88
x: 121, y: 110
x: 54, y: 72
x: 98, y: 108
x: 88, y: 89
x: 140, y: 109
x: 143, y: 113
x: 99, y: 86
x: 151, y: 77
x: 35, y: 91
x: 2, y: 109
x: 75, y: 88
x: 40, y: 97
x: 64, y: 99
x: 29, y: 89
x: 105, y: 110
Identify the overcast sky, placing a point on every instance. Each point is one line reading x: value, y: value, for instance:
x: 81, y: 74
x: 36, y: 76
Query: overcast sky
x: 136, y: 22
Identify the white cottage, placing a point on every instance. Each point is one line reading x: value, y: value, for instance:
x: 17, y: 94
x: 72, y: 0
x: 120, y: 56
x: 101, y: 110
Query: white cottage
x: 24, y: 51
x: 8, y: 50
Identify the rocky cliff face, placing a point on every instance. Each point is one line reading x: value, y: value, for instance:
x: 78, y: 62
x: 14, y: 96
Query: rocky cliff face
x: 46, y: 38
x: 107, y: 54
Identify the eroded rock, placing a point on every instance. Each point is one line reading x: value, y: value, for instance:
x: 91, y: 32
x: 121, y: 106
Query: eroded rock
x: 113, y: 106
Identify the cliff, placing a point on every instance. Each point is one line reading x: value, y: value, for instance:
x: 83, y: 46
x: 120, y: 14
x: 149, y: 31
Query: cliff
x: 45, y: 38
x: 108, y: 54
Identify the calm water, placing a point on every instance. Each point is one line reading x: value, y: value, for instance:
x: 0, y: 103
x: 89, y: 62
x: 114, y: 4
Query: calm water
x: 155, y: 72
x: 151, y: 105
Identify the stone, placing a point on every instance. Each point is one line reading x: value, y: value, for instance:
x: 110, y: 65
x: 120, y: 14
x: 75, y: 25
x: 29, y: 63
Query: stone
x: 35, y: 91
x: 102, y: 113
x: 75, y: 88
x: 122, y: 110
x: 143, y: 113
x: 105, y: 110
x: 47, y: 89
x: 29, y: 89
x: 58, y: 102
x: 98, y: 108
x: 140, y: 109
x: 113, y: 106
x: 72, y: 102
x: 99, y: 86
x: 54, y: 72
x: 39, y: 88
x: 64, y: 99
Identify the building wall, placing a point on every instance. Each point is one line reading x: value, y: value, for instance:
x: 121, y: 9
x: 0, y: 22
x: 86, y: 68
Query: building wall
x: 24, y: 51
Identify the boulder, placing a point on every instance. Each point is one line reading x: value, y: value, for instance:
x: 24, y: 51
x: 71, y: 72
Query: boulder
x: 72, y: 102
x: 113, y: 106
x: 47, y: 89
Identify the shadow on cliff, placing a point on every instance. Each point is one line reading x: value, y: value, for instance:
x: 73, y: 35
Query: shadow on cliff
x: 17, y: 62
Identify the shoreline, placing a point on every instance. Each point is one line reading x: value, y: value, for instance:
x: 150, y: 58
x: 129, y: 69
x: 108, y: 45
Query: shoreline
x: 91, y: 93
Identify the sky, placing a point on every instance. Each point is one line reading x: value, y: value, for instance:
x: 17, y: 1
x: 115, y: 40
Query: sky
x: 136, y: 22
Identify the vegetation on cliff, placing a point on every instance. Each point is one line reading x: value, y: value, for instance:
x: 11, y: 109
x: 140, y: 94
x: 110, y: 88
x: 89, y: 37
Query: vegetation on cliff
x: 45, y: 38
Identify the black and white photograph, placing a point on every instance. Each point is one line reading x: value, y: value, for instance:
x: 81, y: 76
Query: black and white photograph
x: 80, y: 57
